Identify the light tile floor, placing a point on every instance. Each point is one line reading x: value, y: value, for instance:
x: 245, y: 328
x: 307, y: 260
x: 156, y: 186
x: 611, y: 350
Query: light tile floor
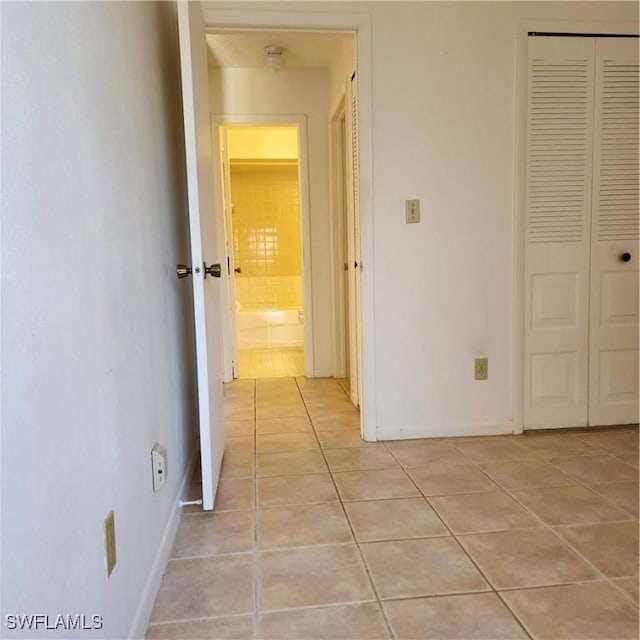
x: 317, y: 534
x: 275, y: 362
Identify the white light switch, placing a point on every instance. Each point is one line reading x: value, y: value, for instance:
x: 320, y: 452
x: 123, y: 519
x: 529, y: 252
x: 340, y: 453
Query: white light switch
x: 412, y: 211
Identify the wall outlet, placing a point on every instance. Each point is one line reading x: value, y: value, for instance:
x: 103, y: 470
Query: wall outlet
x: 109, y: 528
x: 481, y: 368
x: 412, y: 211
x: 158, y: 466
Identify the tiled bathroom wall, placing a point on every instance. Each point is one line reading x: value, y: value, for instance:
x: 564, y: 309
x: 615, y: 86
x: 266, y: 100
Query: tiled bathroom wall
x: 267, y: 235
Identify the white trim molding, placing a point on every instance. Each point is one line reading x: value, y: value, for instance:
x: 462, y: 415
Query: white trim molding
x: 410, y: 432
x: 360, y: 25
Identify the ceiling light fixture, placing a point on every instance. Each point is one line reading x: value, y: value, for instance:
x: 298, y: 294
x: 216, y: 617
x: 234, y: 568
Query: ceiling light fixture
x: 273, y: 58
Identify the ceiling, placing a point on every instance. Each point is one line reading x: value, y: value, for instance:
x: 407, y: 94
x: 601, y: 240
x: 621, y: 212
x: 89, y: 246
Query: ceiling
x: 245, y: 49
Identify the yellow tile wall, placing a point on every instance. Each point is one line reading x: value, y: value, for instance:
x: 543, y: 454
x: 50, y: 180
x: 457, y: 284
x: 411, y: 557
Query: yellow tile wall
x: 266, y: 234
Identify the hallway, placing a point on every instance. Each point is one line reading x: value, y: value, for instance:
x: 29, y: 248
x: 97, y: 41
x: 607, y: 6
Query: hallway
x: 317, y: 534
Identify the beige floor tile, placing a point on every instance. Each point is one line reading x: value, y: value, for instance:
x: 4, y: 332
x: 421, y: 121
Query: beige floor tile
x: 415, y: 453
x: 374, y: 485
x: 395, y: 519
x: 591, y: 611
x: 236, y: 446
x: 529, y: 558
x: 336, y: 422
x: 630, y: 586
x: 237, y: 465
x: 242, y: 412
x: 628, y: 458
x: 612, y: 441
x: 312, y: 576
x: 204, y: 587
x: 477, y: 512
x: 289, y: 490
x: 492, y: 450
x: 290, y: 463
x: 238, y: 428
x: 441, y: 479
x: 332, y: 403
x: 207, y: 534
x: 596, y: 469
x: 328, y: 401
x: 550, y: 445
x: 289, y: 410
x: 360, y: 621
x: 568, y: 505
x: 300, y: 526
x: 277, y: 397
x: 345, y: 438
x: 283, y: 425
x: 235, y: 628
x: 611, y: 547
x: 621, y: 494
x: 407, y: 568
x: 238, y: 387
x: 235, y: 493
x: 279, y: 442
x: 477, y: 616
x: 357, y: 458
x: 526, y: 474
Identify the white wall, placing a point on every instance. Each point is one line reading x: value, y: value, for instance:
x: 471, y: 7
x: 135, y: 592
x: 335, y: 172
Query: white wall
x: 96, y: 336
x: 444, y: 131
x: 343, y: 64
x: 262, y: 92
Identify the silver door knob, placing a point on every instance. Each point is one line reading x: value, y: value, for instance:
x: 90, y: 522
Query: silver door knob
x: 182, y: 270
x: 214, y: 270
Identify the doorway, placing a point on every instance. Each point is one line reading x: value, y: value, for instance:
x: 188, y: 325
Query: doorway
x: 265, y: 249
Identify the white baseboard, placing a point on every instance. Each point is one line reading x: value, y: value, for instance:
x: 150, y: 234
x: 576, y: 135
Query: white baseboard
x: 143, y: 612
x: 445, y: 431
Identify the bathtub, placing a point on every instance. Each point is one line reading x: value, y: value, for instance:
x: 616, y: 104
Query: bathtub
x: 266, y: 329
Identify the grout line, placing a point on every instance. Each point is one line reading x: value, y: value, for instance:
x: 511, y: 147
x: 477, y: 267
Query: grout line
x: 346, y: 516
x: 545, y: 526
x: 464, y: 550
x: 257, y: 575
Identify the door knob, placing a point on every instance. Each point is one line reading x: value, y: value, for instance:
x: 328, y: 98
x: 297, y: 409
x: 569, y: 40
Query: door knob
x: 182, y: 270
x: 213, y: 270
x: 237, y: 270
x: 625, y: 257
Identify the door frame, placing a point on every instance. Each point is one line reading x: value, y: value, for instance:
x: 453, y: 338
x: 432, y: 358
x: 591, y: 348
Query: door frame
x: 337, y: 184
x: 360, y: 25
x: 520, y: 158
x: 300, y: 122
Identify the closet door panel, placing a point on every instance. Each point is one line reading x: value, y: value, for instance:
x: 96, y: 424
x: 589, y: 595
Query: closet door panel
x: 613, y: 357
x: 558, y: 206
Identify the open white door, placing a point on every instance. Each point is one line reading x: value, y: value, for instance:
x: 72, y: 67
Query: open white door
x: 204, y: 250
x: 227, y: 204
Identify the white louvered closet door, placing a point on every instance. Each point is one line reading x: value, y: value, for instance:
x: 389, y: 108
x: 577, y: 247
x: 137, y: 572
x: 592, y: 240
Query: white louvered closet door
x: 353, y: 241
x: 613, y: 358
x: 558, y: 206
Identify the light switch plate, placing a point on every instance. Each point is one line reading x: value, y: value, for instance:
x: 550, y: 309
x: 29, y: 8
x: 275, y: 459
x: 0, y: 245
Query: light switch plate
x: 412, y: 211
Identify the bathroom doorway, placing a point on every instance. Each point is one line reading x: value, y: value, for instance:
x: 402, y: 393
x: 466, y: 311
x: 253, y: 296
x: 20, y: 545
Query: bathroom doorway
x: 263, y: 189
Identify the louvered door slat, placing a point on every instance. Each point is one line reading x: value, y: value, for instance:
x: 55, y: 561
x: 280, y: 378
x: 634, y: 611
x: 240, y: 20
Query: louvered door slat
x: 559, y: 121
